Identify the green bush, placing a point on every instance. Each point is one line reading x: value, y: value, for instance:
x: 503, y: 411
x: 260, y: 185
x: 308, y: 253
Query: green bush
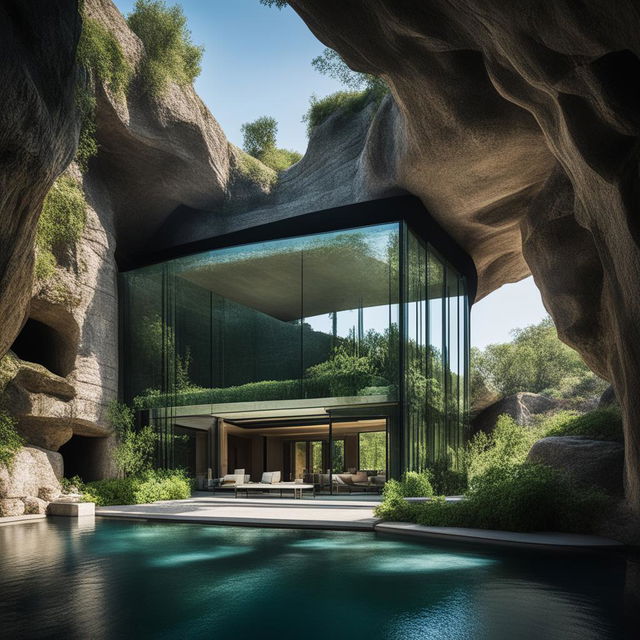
x: 600, y: 424
x: 446, y: 480
x: 508, y: 444
x: 279, y: 159
x: 149, y: 487
x: 348, y: 101
x: 61, y: 224
x: 256, y: 171
x: 521, y: 497
x: 344, y: 374
x: 101, y: 54
x: 170, y: 54
x: 10, y: 440
x: 412, y: 485
x: 135, y: 452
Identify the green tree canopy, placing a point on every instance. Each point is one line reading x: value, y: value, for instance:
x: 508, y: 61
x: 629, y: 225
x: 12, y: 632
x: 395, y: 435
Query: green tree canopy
x: 259, y: 141
x: 535, y: 360
x: 259, y: 136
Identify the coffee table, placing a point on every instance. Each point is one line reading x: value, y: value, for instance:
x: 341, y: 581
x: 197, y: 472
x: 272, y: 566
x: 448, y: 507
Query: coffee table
x: 278, y: 486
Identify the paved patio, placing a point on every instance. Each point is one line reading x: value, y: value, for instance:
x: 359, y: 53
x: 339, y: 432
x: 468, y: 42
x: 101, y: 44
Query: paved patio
x: 329, y: 512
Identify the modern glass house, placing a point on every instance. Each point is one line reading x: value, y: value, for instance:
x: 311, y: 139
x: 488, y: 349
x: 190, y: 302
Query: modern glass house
x: 331, y: 343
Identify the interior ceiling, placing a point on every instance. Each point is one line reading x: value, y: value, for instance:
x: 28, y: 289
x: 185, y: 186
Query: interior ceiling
x: 333, y: 278
x: 310, y: 431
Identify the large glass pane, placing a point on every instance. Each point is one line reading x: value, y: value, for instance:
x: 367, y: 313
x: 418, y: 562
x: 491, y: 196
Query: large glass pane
x: 372, y: 451
x: 350, y: 296
x: 316, y: 456
x: 298, y: 318
x: 300, y: 459
x: 436, y: 357
x: 337, y: 457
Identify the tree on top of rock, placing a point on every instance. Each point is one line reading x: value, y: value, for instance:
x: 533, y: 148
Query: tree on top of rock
x: 259, y: 141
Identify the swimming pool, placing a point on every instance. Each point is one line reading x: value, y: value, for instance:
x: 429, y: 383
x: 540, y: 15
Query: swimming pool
x: 118, y: 579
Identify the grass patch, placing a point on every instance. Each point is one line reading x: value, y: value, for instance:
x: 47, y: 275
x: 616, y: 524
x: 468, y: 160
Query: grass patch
x: 255, y: 171
x: 279, y: 159
x: 10, y: 440
x: 149, y: 487
x: 170, y: 54
x: 347, y: 101
x: 60, y: 226
x: 600, y: 424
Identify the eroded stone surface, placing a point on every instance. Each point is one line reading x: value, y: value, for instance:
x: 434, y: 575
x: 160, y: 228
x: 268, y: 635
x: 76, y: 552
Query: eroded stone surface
x: 519, y: 406
x: 32, y: 469
x: 520, y: 132
x: 590, y: 463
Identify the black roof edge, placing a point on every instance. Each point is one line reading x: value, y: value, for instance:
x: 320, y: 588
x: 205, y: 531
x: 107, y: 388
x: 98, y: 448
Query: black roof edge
x: 372, y: 212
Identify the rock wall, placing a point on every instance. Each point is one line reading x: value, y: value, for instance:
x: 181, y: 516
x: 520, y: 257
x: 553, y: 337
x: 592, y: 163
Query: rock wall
x: 38, y: 135
x: 154, y: 153
x: 520, y: 134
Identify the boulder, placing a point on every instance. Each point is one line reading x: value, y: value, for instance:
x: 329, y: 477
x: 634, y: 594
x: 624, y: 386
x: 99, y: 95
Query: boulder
x: 49, y: 493
x: 32, y: 469
x: 590, y: 463
x: 520, y: 406
x: 11, y: 507
x: 35, y: 505
x: 608, y: 397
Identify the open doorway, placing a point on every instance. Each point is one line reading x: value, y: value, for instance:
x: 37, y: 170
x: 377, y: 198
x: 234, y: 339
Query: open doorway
x: 337, y: 456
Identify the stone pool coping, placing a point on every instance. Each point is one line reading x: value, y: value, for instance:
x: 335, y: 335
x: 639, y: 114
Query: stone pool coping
x: 540, y: 540
x: 24, y: 518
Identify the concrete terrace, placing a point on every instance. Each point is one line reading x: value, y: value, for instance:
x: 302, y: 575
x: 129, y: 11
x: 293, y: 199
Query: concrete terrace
x: 329, y: 512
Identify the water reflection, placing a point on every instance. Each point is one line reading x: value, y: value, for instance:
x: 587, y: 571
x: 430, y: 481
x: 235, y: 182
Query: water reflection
x: 64, y: 578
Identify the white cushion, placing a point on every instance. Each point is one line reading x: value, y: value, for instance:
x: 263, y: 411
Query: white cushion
x: 238, y: 472
x: 267, y: 477
x: 338, y: 480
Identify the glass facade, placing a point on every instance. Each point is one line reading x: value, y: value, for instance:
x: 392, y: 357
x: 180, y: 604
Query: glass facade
x: 361, y: 316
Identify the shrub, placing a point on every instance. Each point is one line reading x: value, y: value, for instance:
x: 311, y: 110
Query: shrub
x: 100, y: 53
x: 256, y: 171
x: 344, y: 374
x: 120, y: 417
x: 600, y: 424
x: 279, y: 159
x: 61, y: 224
x: 259, y: 141
x: 10, y: 440
x: 149, y: 487
x: 170, y: 54
x: 348, y: 101
x: 508, y: 444
x: 412, y: 485
x: 135, y: 452
x: 521, y: 497
x: 445, y: 480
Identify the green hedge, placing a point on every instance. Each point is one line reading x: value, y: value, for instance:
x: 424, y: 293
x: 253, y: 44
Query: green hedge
x: 148, y: 487
x: 522, y: 497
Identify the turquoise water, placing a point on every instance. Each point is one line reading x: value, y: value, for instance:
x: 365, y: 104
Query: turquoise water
x: 110, y: 579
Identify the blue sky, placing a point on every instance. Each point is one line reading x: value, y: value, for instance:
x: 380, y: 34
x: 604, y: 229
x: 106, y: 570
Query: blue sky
x: 257, y: 61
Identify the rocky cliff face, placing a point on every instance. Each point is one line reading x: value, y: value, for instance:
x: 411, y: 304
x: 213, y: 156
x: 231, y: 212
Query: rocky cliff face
x: 520, y: 133
x: 38, y: 135
x: 154, y: 153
